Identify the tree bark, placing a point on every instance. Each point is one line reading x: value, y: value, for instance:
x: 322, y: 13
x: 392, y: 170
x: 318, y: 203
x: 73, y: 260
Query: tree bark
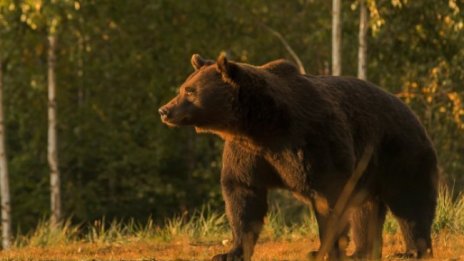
x: 336, y: 38
x: 4, y: 179
x: 52, y: 134
x: 362, y: 51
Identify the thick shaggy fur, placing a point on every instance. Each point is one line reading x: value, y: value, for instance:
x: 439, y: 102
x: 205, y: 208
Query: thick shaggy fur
x: 306, y: 134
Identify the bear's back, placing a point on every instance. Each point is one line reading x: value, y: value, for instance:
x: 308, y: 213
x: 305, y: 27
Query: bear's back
x: 374, y: 114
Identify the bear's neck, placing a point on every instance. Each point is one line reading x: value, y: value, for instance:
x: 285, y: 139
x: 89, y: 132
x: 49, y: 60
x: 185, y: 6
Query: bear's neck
x: 255, y: 131
x: 257, y: 117
x: 260, y: 115
x: 250, y: 135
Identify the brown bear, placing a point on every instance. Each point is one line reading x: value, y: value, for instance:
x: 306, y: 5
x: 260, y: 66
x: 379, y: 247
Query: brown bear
x: 307, y: 134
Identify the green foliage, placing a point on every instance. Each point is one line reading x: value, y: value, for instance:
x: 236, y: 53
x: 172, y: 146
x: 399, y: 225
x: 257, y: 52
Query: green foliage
x: 425, y: 39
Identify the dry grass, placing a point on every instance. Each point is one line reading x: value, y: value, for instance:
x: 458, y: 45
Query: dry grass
x: 447, y: 246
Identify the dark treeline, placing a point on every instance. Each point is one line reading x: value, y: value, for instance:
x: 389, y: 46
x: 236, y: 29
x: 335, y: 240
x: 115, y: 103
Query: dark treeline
x: 117, y: 61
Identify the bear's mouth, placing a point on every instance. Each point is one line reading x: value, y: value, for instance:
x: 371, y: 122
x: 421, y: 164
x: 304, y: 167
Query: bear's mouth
x: 170, y: 124
x: 173, y: 122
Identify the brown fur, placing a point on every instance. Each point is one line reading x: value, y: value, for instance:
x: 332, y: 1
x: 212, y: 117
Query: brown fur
x: 306, y: 134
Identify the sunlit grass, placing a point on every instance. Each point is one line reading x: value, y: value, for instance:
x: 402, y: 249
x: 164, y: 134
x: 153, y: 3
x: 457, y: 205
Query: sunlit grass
x: 209, y: 229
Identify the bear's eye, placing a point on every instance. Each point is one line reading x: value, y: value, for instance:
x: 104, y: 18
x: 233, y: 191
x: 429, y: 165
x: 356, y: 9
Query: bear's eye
x: 189, y: 90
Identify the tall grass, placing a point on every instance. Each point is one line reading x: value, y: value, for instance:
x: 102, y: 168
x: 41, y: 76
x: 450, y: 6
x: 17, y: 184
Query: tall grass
x: 285, y: 224
x: 207, y: 225
x: 203, y: 224
x: 45, y: 235
x: 450, y: 212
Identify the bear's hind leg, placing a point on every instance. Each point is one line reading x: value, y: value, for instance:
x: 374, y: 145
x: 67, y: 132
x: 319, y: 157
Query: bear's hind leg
x: 415, y: 216
x: 339, y: 231
x: 367, y: 225
x: 416, y: 234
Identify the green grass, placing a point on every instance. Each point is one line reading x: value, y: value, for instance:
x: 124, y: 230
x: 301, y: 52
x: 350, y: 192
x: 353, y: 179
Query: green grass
x: 207, y: 225
x: 204, y: 224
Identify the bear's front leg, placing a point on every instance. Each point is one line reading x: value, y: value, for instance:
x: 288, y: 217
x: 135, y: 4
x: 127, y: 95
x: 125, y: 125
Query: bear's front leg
x: 246, y: 207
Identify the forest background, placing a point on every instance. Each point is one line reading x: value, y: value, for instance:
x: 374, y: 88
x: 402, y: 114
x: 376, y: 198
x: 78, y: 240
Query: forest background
x: 118, y: 61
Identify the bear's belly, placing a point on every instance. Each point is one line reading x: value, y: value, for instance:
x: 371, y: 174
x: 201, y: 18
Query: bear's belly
x: 293, y: 170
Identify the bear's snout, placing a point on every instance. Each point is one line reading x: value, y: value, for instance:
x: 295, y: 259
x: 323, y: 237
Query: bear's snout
x: 164, y: 112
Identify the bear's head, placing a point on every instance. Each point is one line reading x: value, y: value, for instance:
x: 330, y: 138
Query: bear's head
x: 226, y: 98
x: 204, y: 100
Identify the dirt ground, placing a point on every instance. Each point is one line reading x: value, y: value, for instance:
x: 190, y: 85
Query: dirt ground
x: 447, y: 246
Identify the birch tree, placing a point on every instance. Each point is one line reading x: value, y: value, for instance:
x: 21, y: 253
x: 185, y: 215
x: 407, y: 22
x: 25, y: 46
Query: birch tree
x: 55, y: 196
x: 336, y: 38
x: 4, y: 180
x: 7, y: 30
x: 362, y: 50
x: 45, y: 16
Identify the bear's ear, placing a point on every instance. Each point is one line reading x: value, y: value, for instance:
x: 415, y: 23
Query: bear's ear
x: 227, y: 69
x: 198, y: 62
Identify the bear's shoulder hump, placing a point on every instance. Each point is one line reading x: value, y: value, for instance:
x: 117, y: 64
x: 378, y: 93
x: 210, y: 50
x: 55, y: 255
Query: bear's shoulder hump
x: 281, y: 67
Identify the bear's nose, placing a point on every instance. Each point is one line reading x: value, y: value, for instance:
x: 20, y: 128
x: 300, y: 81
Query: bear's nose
x: 163, y: 112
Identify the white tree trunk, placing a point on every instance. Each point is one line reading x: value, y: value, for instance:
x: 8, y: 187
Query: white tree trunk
x: 4, y: 181
x: 52, y: 135
x: 336, y: 38
x: 362, y: 51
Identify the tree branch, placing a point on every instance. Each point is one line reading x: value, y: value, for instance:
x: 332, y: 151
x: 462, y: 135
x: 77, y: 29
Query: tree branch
x: 287, y: 46
x: 274, y: 32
